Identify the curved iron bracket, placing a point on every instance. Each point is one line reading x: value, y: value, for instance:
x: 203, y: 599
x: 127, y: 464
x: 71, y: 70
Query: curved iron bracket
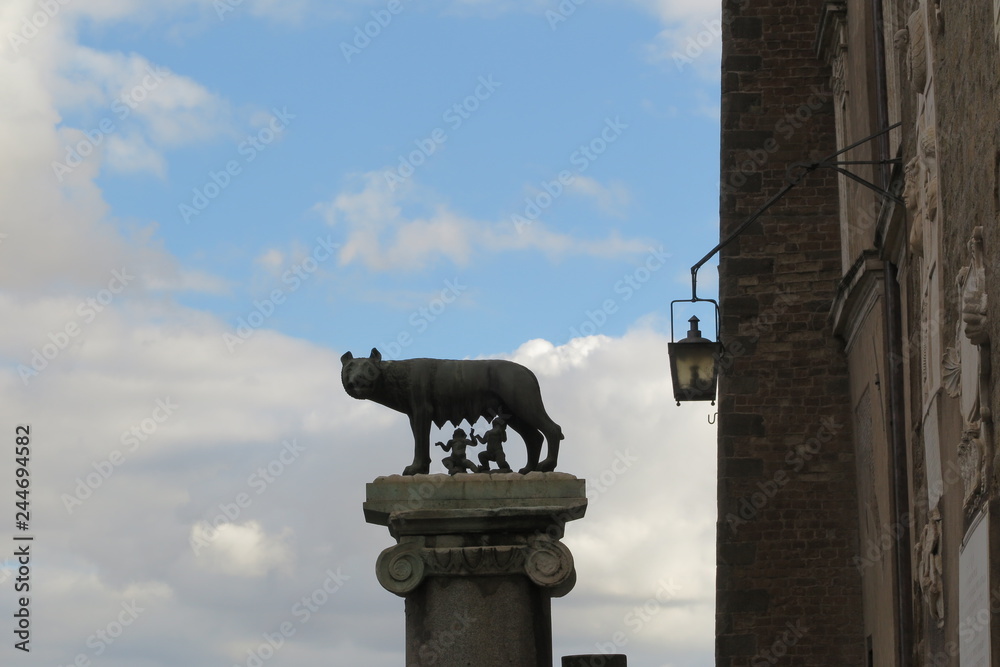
x: 794, y: 175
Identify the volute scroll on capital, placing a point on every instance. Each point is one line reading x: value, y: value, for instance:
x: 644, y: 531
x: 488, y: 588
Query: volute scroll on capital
x: 548, y: 563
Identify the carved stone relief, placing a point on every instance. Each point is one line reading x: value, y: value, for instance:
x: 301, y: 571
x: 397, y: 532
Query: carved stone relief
x: 921, y: 199
x: 968, y: 360
x: 971, y: 460
x: 917, y: 38
x: 921, y: 186
x: 929, y: 567
x: 973, y: 291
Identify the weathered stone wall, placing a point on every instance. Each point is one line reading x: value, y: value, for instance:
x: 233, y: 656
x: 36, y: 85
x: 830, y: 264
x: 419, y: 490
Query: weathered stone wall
x: 788, y: 514
x: 968, y: 73
x: 967, y: 80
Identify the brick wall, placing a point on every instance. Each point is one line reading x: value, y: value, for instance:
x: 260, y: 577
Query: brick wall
x: 787, y: 589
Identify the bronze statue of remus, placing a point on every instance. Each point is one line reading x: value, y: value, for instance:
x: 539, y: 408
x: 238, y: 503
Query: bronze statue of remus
x: 442, y: 390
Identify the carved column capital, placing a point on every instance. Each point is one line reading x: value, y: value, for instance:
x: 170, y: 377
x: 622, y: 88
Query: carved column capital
x: 400, y: 569
x: 548, y: 563
x: 476, y: 526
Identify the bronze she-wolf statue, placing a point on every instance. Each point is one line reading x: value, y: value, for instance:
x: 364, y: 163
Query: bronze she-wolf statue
x: 442, y: 390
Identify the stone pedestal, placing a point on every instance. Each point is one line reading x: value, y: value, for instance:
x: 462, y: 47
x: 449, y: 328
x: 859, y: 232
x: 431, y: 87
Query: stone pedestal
x: 478, y: 558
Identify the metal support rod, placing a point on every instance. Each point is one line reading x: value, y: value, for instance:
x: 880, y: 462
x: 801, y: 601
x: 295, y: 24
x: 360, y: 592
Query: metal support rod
x: 739, y: 230
x: 792, y: 182
x: 841, y: 163
x: 871, y: 186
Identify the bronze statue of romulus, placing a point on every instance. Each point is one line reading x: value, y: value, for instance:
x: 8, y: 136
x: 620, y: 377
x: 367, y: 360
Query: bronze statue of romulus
x: 439, y: 391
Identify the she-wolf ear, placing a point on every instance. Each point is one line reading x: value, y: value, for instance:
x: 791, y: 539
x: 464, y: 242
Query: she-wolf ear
x: 376, y: 355
x: 347, y: 357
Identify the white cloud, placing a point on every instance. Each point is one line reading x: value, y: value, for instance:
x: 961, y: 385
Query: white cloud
x: 139, y: 106
x: 381, y: 235
x: 672, y: 11
x: 286, y: 11
x: 272, y: 260
x: 233, y: 411
x: 242, y: 550
x: 59, y: 237
x: 147, y: 426
x: 129, y: 152
x: 611, y: 199
x: 691, y: 36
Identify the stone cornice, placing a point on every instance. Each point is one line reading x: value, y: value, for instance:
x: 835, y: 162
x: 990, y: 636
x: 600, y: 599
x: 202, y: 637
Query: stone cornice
x: 833, y: 16
x: 857, y: 294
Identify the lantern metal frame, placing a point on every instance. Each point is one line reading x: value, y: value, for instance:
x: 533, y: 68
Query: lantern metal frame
x: 718, y: 350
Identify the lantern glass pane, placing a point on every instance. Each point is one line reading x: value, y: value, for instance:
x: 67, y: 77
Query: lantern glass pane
x: 693, y: 366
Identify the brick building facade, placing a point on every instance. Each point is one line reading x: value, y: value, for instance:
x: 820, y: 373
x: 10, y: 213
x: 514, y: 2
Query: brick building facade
x: 857, y: 487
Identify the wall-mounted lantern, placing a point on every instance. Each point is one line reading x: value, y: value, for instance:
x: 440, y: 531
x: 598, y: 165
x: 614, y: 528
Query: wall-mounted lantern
x: 694, y: 364
x: 694, y: 360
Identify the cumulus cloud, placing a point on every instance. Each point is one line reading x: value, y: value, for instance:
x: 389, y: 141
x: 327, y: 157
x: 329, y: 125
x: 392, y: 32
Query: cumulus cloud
x: 153, y: 434
x: 690, y: 38
x: 242, y: 550
x: 612, y: 199
x: 59, y: 235
x: 162, y: 439
x: 381, y: 232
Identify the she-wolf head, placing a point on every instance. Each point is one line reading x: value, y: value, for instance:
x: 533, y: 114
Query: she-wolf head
x: 359, y: 375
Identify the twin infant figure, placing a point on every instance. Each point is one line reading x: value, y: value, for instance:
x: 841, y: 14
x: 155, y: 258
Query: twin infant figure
x: 493, y: 439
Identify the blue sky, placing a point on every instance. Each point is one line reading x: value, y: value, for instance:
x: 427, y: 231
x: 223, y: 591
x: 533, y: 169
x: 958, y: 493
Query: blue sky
x: 207, y: 203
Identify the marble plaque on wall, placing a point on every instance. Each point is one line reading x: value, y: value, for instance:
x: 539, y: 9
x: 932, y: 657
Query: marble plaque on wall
x: 974, y: 595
